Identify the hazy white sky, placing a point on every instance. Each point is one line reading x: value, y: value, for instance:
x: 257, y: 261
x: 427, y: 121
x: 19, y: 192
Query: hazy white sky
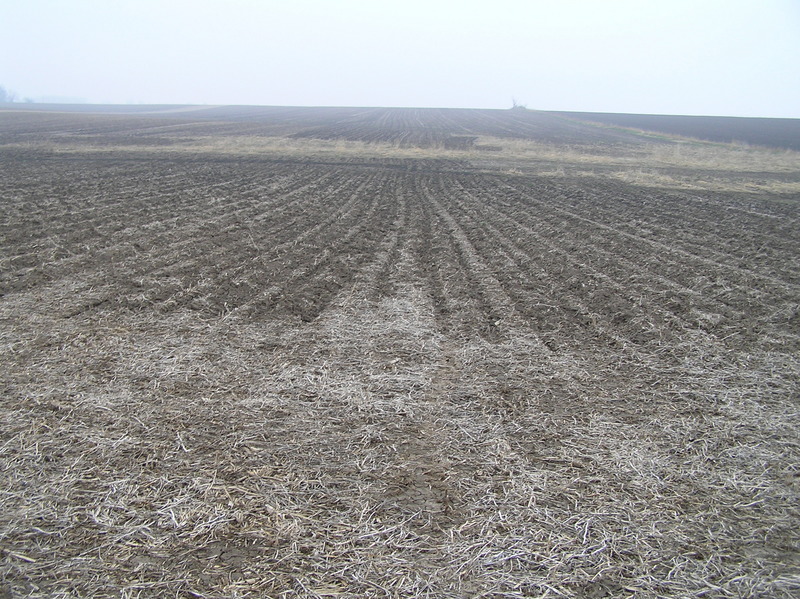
x: 720, y: 57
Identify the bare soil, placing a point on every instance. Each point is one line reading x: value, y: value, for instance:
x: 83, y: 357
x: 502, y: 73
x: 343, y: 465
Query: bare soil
x: 774, y: 133
x: 394, y: 369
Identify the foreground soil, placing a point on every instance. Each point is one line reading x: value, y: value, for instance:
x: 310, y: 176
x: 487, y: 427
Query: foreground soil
x: 365, y: 372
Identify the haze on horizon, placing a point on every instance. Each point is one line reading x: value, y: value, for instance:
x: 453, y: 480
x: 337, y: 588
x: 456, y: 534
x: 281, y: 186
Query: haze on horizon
x: 712, y: 57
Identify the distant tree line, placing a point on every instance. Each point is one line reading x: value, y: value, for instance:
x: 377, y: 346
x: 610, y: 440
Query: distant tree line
x: 7, y: 95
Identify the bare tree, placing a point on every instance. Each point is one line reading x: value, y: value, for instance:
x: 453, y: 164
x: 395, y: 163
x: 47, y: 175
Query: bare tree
x: 6, y: 95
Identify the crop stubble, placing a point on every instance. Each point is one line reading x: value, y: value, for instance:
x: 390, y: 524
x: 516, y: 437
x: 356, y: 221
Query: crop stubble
x: 392, y: 377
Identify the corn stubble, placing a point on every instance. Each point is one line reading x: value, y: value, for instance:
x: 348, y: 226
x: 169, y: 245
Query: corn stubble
x: 303, y: 367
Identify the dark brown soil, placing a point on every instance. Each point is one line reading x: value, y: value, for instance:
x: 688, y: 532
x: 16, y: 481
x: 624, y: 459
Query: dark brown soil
x: 771, y: 133
x: 379, y: 376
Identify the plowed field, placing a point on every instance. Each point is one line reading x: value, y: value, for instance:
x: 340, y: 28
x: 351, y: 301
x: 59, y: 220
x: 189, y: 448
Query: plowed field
x: 306, y: 366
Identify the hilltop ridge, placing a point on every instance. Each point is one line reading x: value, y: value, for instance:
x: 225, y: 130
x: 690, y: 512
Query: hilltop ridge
x: 426, y: 127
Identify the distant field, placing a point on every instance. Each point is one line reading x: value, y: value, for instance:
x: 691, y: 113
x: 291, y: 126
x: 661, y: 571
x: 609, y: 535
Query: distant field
x: 426, y: 126
x: 775, y: 133
x: 355, y: 352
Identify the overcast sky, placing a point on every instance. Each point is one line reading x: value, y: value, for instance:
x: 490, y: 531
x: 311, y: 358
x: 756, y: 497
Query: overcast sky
x: 715, y: 57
